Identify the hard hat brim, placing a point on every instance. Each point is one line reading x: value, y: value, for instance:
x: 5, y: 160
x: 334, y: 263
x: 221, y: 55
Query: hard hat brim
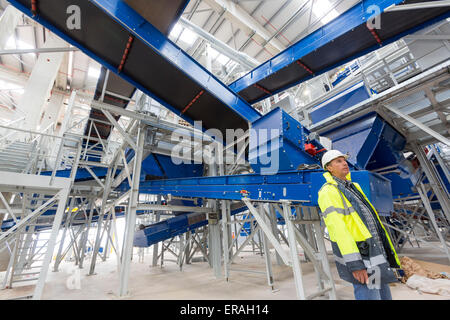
x: 346, y: 156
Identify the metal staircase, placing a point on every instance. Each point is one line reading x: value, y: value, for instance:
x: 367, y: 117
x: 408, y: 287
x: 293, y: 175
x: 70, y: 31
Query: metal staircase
x: 27, y: 259
x: 27, y: 250
x: 16, y: 157
x: 35, y: 205
x: 391, y: 68
x: 444, y: 153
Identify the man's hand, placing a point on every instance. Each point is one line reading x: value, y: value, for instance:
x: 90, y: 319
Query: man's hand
x: 361, y: 276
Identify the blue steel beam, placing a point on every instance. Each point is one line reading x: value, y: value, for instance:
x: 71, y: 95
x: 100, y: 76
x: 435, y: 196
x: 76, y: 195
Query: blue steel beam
x: 109, y: 86
x: 135, y: 24
x: 8, y: 224
x: 345, y: 23
x: 342, y: 24
x: 297, y: 186
x: 172, y: 227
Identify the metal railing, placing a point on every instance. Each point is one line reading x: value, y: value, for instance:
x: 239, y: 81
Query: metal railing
x: 48, y: 151
x: 379, y: 71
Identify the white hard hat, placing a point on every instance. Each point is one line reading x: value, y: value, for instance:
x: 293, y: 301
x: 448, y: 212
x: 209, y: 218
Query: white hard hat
x: 331, y: 155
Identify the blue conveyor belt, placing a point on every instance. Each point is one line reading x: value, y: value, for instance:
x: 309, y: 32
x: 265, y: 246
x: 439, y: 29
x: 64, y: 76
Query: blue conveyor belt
x: 342, y: 40
x: 172, y: 227
x: 119, y: 38
x: 298, y: 186
x: 111, y: 88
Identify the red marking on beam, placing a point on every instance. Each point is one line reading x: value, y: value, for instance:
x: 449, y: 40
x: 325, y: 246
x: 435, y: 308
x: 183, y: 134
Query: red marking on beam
x: 125, y: 53
x: 263, y: 47
x: 193, y: 101
x: 304, y: 67
x: 374, y: 34
x: 34, y: 7
x: 262, y: 88
x: 281, y: 33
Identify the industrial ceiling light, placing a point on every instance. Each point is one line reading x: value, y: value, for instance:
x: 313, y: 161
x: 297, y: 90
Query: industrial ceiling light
x: 176, y: 30
x: 223, y: 60
x: 215, y: 55
x: 321, y: 9
x: 93, y: 72
x: 188, y: 37
x: 70, y: 66
x: 11, y: 44
x: 185, y: 35
x: 9, y: 86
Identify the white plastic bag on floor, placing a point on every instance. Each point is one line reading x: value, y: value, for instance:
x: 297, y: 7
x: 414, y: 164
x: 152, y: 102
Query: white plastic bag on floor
x: 434, y: 286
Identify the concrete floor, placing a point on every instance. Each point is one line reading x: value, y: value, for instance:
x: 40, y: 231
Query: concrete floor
x: 197, y: 281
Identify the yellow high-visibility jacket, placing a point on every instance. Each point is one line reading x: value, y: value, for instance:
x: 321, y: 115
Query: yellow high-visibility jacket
x: 347, y: 231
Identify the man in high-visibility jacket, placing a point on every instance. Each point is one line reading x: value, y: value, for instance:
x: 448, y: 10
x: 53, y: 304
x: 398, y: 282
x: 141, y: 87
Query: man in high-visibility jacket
x: 362, y: 249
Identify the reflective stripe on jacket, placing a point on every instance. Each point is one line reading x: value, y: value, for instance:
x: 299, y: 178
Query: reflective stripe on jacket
x: 347, y: 230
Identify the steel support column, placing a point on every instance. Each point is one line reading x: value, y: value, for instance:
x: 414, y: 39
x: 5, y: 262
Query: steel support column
x: 63, y: 196
x: 156, y: 245
x: 215, y: 248
x: 265, y: 244
x: 294, y: 251
x: 441, y: 163
x: 423, y: 195
x: 127, y: 252
x: 225, y: 244
x: 102, y: 213
x: 267, y: 231
x: 63, y: 238
x: 323, y: 256
x: 84, y: 237
x: 274, y: 224
x: 433, y: 178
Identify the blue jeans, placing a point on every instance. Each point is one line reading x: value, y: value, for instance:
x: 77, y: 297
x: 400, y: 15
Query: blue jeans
x: 362, y: 292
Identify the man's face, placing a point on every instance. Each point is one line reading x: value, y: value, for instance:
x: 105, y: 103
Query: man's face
x: 338, y: 167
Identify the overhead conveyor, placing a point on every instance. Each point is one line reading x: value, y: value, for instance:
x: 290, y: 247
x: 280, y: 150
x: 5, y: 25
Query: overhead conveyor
x: 342, y: 40
x: 111, y: 88
x: 127, y: 44
x: 121, y: 37
x: 116, y: 36
x: 299, y: 187
x: 285, y: 178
